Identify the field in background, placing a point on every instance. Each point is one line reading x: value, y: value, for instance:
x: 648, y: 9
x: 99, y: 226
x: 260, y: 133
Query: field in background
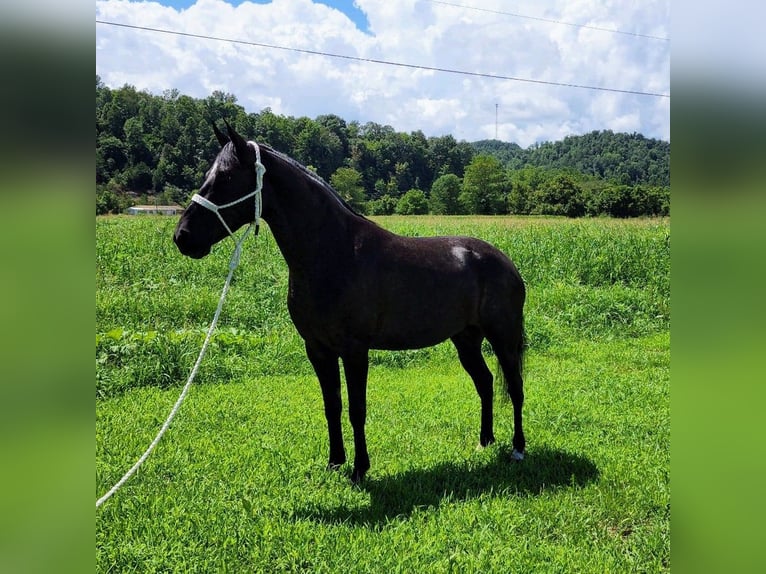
x: 238, y: 482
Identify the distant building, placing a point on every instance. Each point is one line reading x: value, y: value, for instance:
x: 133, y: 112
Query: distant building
x: 154, y: 210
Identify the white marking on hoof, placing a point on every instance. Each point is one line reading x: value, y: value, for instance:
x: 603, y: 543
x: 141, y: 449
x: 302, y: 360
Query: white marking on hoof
x: 516, y: 455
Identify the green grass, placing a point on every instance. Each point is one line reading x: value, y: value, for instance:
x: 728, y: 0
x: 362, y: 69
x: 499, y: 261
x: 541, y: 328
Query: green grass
x: 238, y: 483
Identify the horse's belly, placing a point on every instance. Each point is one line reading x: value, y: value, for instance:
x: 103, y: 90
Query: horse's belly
x: 419, y: 327
x: 403, y: 341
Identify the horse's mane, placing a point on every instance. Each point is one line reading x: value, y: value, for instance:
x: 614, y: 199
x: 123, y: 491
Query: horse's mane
x: 314, y: 177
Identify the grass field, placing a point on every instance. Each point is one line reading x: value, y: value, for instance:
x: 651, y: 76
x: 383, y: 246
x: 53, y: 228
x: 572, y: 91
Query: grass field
x: 238, y: 483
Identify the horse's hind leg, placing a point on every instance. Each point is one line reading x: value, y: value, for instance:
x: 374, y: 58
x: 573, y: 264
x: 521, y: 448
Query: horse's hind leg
x: 510, y: 363
x: 509, y: 351
x: 468, y: 345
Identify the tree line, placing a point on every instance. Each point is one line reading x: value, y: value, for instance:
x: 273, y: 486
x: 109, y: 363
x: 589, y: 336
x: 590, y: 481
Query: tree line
x: 156, y: 149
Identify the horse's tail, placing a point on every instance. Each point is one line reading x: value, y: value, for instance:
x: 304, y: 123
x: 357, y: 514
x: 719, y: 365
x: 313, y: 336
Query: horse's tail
x: 521, y: 346
x: 510, y: 360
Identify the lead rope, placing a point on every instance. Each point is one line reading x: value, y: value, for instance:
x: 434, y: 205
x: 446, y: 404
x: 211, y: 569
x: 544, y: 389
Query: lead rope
x: 233, y: 262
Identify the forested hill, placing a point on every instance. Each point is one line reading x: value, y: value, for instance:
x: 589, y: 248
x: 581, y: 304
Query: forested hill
x: 157, y: 148
x: 628, y: 159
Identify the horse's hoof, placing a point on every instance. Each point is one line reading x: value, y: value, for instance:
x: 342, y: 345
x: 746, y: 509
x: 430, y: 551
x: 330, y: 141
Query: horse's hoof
x: 516, y: 455
x: 334, y: 466
x: 487, y: 441
x: 357, y: 477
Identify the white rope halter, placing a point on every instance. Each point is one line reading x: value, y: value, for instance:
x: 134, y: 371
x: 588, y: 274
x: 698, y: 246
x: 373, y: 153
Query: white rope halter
x: 259, y: 171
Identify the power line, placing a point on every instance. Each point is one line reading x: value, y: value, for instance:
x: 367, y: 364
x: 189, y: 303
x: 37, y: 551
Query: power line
x: 385, y: 62
x: 549, y: 20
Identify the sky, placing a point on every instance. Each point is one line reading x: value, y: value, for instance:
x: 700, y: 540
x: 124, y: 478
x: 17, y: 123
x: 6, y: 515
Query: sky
x: 488, y: 37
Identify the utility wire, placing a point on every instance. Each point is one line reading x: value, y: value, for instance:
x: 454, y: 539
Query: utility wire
x: 385, y: 62
x: 549, y: 20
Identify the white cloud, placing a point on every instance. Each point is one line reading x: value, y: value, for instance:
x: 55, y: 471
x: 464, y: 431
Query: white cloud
x: 414, y: 32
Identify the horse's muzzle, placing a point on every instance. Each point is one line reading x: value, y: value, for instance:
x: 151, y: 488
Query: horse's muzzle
x: 187, y: 246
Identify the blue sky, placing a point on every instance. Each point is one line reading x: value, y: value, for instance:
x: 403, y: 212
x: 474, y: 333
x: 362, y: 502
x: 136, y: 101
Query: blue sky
x: 267, y: 54
x: 345, y: 6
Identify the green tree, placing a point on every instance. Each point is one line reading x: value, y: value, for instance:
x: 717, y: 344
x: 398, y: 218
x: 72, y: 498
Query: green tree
x: 148, y: 143
x: 365, y: 159
x: 111, y: 199
x: 219, y: 106
x: 137, y: 177
x: 135, y: 146
x: 414, y: 202
x: 348, y: 183
x: 610, y: 200
x: 446, y: 155
x: 318, y: 146
x: 385, y: 205
x: 338, y: 127
x: 559, y: 195
x: 658, y: 200
x: 629, y: 159
x: 444, y: 195
x: 277, y: 131
x: 174, y: 195
x: 484, y: 186
x: 111, y: 157
x: 524, y: 183
x: 107, y: 202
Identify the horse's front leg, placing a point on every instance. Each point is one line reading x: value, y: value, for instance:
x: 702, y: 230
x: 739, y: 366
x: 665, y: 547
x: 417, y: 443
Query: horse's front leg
x: 355, y: 366
x: 326, y: 366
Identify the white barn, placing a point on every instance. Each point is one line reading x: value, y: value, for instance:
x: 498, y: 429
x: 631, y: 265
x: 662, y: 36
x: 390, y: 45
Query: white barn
x: 154, y: 210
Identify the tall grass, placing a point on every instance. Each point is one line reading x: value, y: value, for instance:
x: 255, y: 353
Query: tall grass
x: 598, y: 279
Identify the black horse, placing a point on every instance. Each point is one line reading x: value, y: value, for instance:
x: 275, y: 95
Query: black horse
x: 355, y: 286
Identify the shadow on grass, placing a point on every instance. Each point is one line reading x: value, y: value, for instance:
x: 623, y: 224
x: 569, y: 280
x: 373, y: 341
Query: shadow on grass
x: 398, y: 496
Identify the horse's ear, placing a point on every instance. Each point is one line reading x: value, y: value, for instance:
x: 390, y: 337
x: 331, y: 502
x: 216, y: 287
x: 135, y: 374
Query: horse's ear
x: 244, y: 152
x: 220, y: 136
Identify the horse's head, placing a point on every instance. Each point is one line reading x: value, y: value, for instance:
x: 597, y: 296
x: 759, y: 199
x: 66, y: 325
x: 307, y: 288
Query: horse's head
x: 216, y: 210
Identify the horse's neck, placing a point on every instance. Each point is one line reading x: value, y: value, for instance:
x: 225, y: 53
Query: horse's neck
x: 309, y: 223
